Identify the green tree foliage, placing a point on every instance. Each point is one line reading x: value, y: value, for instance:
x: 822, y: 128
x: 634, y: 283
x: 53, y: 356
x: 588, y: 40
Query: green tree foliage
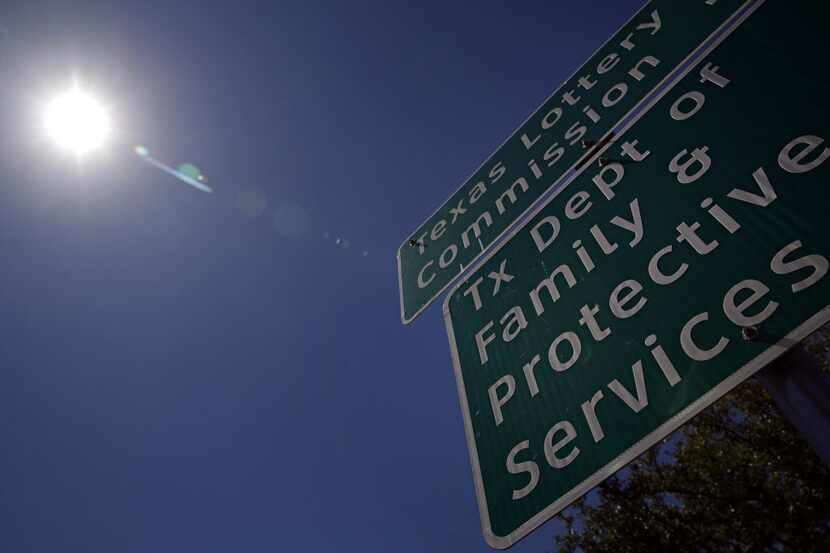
x: 736, y: 478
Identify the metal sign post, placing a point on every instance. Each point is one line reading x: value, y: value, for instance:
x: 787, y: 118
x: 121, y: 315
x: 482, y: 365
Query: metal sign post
x: 802, y: 392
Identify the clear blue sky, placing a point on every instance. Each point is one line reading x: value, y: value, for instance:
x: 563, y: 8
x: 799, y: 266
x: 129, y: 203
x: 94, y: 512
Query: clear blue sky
x: 179, y: 375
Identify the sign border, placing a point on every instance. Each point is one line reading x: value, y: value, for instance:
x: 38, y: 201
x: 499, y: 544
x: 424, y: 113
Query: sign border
x: 768, y: 355
x: 645, y: 103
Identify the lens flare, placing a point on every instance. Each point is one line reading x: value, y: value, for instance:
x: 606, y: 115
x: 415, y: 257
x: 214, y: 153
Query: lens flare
x: 143, y: 153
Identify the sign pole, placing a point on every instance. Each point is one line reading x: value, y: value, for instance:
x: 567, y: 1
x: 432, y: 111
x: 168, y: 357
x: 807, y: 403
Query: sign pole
x: 801, y: 389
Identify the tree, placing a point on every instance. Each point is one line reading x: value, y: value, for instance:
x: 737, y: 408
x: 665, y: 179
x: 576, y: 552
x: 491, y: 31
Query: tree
x: 736, y: 478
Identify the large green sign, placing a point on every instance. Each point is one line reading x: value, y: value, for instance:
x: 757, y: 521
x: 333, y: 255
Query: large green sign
x: 656, y: 281
x: 612, y: 83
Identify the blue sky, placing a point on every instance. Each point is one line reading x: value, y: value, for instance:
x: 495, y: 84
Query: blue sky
x: 179, y: 372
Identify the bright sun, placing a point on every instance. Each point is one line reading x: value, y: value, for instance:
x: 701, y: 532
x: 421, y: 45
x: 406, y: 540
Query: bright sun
x: 77, y: 122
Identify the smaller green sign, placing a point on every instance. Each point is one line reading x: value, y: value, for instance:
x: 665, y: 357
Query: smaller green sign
x: 580, y: 113
x: 656, y: 281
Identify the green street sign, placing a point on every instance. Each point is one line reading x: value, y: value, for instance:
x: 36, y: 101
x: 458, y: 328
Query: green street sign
x: 656, y: 281
x: 611, y: 84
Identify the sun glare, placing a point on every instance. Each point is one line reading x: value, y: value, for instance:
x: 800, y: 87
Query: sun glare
x: 77, y: 122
